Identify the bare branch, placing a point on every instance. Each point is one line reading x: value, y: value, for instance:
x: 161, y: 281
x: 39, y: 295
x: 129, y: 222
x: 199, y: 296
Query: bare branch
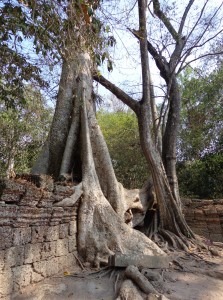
x: 201, y: 56
x: 185, y: 16
x: 120, y: 94
x: 208, y: 24
x: 159, y: 13
x: 198, y: 20
x: 160, y: 60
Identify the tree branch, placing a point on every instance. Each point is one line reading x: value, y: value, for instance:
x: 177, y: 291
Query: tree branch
x: 184, y: 17
x: 160, y: 61
x: 120, y: 94
x: 189, y: 50
x: 159, y: 13
x: 197, y: 22
x: 144, y: 52
x: 202, y: 56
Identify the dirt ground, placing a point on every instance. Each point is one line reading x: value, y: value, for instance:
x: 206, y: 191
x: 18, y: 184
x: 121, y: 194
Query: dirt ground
x: 191, y: 276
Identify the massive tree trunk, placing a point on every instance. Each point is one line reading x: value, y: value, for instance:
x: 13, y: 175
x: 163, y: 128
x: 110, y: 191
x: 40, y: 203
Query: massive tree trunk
x: 105, y: 208
x: 169, y: 217
x: 102, y: 231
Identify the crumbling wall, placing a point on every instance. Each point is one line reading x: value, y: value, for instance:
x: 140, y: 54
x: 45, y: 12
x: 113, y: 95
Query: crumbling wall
x: 37, y: 238
x: 205, y: 217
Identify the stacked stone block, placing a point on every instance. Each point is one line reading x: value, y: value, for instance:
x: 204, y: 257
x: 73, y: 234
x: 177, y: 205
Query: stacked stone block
x: 37, y: 240
x: 205, y: 217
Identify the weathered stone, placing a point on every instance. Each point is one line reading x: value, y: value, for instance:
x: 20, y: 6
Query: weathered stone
x: 22, y: 275
x: 31, y: 197
x: 36, y: 277
x: 73, y: 228
x: 52, y: 233
x: 62, y: 247
x: 39, y: 234
x: 32, y: 253
x: 11, y: 191
x: 63, y: 231
x: 201, y: 231
x: 48, y: 250
x: 46, y: 267
x: 6, y: 283
x: 72, y: 243
x: 199, y: 215
x: 11, y: 197
x: 189, y: 215
x: 148, y: 261
x: 8, y: 215
x: 66, y: 261
x: 202, y: 225
x: 21, y: 236
x: 63, y: 190
x: 6, y: 237
x: 218, y: 201
x: 33, y: 216
x: 216, y: 229
x: 14, y: 256
x: 216, y: 237
x: 46, y: 200
x: 57, y: 215
x: 186, y: 202
x: 213, y: 222
x: 69, y: 214
x: 211, y: 212
x: 2, y: 260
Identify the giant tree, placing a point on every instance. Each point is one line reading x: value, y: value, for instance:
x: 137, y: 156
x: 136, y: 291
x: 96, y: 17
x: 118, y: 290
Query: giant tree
x: 170, y: 54
x: 75, y: 146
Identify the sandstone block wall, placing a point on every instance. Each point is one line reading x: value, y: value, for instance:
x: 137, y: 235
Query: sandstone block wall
x: 205, y: 217
x: 37, y: 239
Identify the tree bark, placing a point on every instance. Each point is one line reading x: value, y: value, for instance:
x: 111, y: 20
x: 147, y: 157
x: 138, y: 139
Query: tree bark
x: 101, y: 230
x: 49, y: 161
x: 170, y: 138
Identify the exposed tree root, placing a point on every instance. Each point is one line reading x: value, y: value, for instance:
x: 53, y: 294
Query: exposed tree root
x: 133, y: 273
x: 101, y: 231
x: 129, y: 291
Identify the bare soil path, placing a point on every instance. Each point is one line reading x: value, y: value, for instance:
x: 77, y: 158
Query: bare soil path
x: 194, y: 276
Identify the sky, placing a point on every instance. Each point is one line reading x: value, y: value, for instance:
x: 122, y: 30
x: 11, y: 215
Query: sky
x: 119, y: 16
x: 127, y: 70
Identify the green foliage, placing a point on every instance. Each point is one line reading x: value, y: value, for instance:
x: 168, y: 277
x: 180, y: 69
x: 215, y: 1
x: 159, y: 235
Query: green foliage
x: 23, y: 130
x: 200, y: 148
x: 201, y: 129
x: 15, y: 67
x: 202, y: 178
x: 121, y: 133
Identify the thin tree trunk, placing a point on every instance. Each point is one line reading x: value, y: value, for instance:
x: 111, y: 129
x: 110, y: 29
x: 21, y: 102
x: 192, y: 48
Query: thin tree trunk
x: 155, y: 118
x: 67, y: 163
x: 10, y: 173
x: 170, y: 138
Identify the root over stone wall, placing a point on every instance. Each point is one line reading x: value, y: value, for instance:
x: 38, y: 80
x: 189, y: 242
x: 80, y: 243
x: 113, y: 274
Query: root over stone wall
x: 205, y: 217
x: 37, y: 240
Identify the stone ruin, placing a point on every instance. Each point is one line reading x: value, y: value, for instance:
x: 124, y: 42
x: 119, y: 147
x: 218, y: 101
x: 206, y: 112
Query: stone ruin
x: 38, y: 233
x: 37, y: 238
x: 205, y: 217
